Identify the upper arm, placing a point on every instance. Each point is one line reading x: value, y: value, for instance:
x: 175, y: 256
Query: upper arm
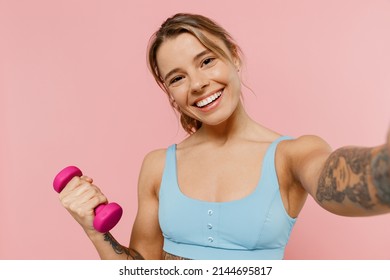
x: 146, y: 235
x: 308, y: 157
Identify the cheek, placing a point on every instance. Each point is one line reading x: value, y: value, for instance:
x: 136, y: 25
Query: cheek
x: 227, y: 76
x: 179, y: 95
x: 220, y: 75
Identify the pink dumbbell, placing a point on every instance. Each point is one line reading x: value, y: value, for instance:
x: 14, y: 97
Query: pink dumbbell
x: 106, y: 215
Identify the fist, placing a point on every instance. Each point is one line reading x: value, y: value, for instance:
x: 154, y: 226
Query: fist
x: 80, y: 197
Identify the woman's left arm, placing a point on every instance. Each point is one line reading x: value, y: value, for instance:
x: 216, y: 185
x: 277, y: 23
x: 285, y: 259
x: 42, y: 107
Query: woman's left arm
x: 351, y: 181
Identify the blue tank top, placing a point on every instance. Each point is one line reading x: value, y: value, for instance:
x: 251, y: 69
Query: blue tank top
x: 254, y: 227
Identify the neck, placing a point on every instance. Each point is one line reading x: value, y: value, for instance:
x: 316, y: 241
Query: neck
x: 236, y: 125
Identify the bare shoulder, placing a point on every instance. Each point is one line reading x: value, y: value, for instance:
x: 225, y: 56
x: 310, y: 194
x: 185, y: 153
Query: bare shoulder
x: 307, y: 144
x: 152, y: 170
x: 300, y: 150
x: 306, y: 156
x: 155, y: 157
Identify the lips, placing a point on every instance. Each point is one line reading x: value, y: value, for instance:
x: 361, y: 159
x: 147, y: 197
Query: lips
x: 208, y: 100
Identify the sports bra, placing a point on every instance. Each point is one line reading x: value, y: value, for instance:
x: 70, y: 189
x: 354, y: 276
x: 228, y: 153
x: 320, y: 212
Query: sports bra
x: 254, y: 227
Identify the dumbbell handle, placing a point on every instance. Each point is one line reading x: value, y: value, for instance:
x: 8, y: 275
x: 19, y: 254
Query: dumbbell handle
x: 106, y: 215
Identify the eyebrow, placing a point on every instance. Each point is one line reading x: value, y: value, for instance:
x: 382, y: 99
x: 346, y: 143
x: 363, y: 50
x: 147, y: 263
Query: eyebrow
x: 196, y: 57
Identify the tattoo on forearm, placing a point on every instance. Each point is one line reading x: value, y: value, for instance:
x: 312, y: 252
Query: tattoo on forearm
x: 345, y: 175
x: 167, y: 256
x: 381, y: 175
x: 119, y: 249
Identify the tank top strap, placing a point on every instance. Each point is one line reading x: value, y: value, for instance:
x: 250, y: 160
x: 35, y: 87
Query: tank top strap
x: 170, y: 162
x: 171, y: 156
x: 272, y: 148
x: 168, y: 181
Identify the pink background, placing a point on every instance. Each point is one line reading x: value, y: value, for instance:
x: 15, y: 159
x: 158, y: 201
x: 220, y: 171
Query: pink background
x: 75, y: 89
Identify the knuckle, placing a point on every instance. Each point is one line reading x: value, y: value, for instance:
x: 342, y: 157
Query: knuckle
x: 86, y: 179
x: 81, y: 213
x: 73, y: 207
x: 101, y: 199
x: 74, y: 181
x: 65, y: 202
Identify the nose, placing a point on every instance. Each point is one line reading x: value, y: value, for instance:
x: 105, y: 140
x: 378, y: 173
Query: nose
x: 199, y: 82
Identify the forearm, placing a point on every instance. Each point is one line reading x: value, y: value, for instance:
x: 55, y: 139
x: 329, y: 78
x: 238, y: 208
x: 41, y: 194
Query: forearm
x: 109, y: 249
x: 356, y: 181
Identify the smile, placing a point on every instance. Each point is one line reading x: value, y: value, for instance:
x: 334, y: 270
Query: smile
x: 208, y: 100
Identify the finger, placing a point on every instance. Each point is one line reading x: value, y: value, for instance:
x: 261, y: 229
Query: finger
x: 75, y: 182
x: 83, y: 188
x: 74, y: 190
x: 85, y: 205
x: 72, y: 184
x: 83, y: 200
x: 101, y: 198
x: 95, y: 201
x: 86, y: 178
x: 87, y: 192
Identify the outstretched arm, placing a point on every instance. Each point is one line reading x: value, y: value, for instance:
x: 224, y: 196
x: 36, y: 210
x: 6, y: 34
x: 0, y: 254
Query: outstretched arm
x: 359, y: 177
x: 350, y: 181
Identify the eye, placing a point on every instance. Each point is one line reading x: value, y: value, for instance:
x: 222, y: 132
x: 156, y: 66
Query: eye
x: 175, y: 80
x: 208, y: 61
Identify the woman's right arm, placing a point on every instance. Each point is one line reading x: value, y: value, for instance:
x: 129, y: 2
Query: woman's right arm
x: 80, y: 197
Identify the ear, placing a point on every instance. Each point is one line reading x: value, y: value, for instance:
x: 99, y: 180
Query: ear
x: 237, y: 63
x: 236, y: 59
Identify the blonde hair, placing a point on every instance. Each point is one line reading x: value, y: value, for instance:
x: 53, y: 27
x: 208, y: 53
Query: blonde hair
x: 193, y: 24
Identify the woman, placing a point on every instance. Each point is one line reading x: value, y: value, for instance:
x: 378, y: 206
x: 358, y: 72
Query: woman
x: 233, y: 188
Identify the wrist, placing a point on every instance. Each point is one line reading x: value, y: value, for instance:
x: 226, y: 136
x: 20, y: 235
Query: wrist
x: 93, y: 234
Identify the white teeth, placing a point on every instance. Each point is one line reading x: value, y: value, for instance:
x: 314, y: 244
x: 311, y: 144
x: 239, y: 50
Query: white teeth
x: 209, y: 99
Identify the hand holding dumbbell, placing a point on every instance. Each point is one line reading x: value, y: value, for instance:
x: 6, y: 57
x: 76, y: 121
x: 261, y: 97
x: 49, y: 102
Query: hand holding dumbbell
x: 106, y: 215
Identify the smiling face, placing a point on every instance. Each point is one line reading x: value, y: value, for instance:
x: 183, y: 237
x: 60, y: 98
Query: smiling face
x: 204, y: 85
